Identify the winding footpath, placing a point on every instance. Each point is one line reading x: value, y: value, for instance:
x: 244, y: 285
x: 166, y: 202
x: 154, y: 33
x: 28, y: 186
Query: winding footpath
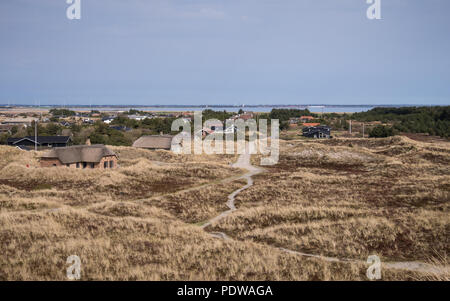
x: 244, y: 163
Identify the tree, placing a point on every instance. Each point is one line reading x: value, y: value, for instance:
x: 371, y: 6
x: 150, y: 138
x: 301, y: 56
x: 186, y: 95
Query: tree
x: 62, y: 112
x: 284, y: 125
x: 432, y: 120
x: 52, y: 129
x: 97, y: 138
x: 4, y: 138
x: 285, y: 114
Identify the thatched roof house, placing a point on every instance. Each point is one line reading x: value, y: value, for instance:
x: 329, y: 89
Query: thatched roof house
x: 154, y: 142
x: 80, y: 156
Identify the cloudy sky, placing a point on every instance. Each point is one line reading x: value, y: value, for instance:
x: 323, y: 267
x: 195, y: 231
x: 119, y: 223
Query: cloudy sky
x: 225, y: 52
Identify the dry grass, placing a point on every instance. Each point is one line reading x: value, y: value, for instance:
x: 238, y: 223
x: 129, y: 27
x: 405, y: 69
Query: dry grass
x: 350, y: 198
x: 346, y: 198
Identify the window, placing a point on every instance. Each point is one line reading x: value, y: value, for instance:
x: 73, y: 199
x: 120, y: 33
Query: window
x: 54, y: 165
x: 68, y: 165
x: 111, y: 164
x: 105, y: 164
x: 92, y: 165
x: 84, y: 164
x: 78, y: 165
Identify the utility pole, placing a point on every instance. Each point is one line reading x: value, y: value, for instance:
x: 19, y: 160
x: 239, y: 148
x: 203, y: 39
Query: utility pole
x: 350, y: 128
x: 363, y: 129
x: 35, y: 135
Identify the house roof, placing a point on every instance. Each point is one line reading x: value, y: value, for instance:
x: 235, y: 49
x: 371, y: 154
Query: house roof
x: 306, y: 117
x: 20, y: 120
x: 79, y: 153
x: 154, y: 141
x: 119, y: 128
x: 6, y: 127
x: 22, y: 147
x: 41, y: 139
x: 311, y: 124
x: 316, y: 129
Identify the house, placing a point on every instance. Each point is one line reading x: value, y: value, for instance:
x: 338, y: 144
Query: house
x: 187, y: 115
x: 306, y: 118
x: 80, y: 156
x: 119, y: 128
x: 24, y: 148
x: 6, y: 128
x: 107, y: 120
x: 322, y: 131
x: 294, y: 120
x: 137, y: 117
x: 154, y: 142
x: 42, y: 141
x: 244, y: 116
x: 311, y: 124
x: 25, y: 121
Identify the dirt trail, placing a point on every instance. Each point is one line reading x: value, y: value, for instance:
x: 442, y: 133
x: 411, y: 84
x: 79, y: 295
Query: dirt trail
x: 244, y: 163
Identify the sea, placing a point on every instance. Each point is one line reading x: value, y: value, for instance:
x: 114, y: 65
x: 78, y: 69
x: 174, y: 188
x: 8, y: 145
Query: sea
x: 263, y: 109
x: 181, y: 108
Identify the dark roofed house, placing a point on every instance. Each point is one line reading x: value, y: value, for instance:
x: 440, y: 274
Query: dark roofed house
x: 154, y: 142
x: 120, y: 128
x: 321, y: 131
x: 80, y: 156
x: 42, y: 141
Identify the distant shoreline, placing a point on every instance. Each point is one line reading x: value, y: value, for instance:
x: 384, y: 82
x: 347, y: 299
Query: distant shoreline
x: 341, y: 109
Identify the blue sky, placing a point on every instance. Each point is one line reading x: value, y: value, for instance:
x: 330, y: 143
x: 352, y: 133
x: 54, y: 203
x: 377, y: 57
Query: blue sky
x: 225, y: 52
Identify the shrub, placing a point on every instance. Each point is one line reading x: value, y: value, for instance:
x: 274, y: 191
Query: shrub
x: 381, y: 131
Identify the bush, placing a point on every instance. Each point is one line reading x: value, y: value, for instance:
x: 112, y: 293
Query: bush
x: 381, y: 131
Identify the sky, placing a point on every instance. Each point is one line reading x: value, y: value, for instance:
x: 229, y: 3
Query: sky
x: 226, y: 52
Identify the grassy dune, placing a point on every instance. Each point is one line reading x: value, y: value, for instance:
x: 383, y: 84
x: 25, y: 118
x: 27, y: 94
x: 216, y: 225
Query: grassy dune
x: 350, y: 198
x: 346, y: 198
